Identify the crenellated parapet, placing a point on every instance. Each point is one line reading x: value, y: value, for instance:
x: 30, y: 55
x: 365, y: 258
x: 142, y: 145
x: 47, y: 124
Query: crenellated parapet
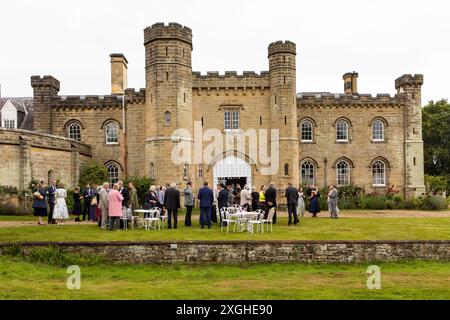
x: 316, y: 100
x: 135, y: 97
x: 172, y: 31
x: 87, y: 102
x: 231, y: 80
x: 282, y: 47
x: 409, y: 80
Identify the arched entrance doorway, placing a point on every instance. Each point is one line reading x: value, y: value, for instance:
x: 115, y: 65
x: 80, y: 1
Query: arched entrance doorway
x: 232, y: 170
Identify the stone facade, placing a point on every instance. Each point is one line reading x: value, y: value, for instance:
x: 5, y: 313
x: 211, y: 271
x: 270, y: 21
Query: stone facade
x: 235, y: 252
x: 176, y: 98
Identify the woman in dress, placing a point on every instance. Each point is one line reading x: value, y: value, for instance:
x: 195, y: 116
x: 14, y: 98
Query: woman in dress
x: 76, y: 211
x: 301, y: 202
x: 188, y: 203
x: 39, y: 203
x: 94, y: 203
x: 115, y: 207
x: 134, y: 199
x: 60, y: 212
x: 314, y: 207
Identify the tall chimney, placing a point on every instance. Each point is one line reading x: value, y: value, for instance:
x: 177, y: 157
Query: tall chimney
x: 351, y: 83
x: 119, y: 78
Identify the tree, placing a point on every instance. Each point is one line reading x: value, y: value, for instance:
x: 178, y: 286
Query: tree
x: 92, y: 173
x: 436, y: 137
x: 142, y: 186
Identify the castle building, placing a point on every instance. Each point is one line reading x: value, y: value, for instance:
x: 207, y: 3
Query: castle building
x: 318, y: 138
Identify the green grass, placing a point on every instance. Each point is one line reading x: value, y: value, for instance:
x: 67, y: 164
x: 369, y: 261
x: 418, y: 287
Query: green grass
x: 309, y: 229
x: 407, y: 280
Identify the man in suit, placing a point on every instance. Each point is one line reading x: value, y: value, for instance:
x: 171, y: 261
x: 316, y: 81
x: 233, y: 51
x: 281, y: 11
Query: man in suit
x: 125, y: 194
x: 172, y: 204
x: 291, y: 195
x: 206, y: 197
x: 87, y: 196
x: 271, y: 200
x: 222, y: 199
x: 104, y: 205
x: 333, y: 201
x: 51, y: 190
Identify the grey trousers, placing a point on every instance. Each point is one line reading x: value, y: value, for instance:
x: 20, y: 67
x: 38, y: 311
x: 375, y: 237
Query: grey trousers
x: 104, y: 218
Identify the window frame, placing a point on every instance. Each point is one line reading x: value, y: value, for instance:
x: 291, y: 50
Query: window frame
x: 109, y: 134
x: 69, y: 131
x: 339, y: 174
x: 200, y: 171
x: 306, y: 181
x: 311, y: 131
x: 347, y: 125
x: 383, y: 130
x: 7, y: 124
x: 231, y: 120
x: 117, y: 173
x: 374, y: 163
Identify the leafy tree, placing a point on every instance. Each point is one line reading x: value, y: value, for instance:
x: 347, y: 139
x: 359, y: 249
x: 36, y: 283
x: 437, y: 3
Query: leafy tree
x: 92, y: 173
x: 142, y: 186
x: 436, y: 137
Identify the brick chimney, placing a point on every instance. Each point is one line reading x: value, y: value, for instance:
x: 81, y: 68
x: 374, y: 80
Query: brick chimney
x: 119, y: 78
x: 351, y: 83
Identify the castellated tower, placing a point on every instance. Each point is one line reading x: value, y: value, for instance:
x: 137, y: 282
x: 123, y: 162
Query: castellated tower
x: 282, y: 68
x: 409, y: 88
x: 44, y: 90
x: 168, y: 71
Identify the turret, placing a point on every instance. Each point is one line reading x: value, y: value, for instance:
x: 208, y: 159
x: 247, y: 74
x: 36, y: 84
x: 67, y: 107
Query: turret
x: 44, y: 90
x: 282, y: 68
x: 168, y: 51
x: 409, y: 88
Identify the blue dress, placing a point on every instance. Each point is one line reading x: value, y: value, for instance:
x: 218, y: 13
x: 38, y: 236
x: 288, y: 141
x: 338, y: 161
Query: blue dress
x: 314, y: 206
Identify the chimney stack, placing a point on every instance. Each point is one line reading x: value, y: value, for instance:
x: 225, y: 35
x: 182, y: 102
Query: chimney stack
x: 351, y: 83
x: 119, y: 78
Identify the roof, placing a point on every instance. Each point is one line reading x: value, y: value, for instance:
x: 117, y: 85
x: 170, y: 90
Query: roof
x: 24, y: 105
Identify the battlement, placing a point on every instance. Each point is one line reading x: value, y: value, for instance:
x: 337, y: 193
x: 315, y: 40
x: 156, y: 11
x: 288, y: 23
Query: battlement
x: 337, y: 99
x: 409, y: 80
x: 45, y: 81
x: 172, y: 31
x: 282, y: 47
x: 87, y: 102
x: 231, y: 79
x: 132, y: 96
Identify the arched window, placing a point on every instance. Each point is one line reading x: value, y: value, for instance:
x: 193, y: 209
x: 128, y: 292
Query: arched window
x: 378, y: 130
x: 343, y: 173
x: 200, y: 170
x: 168, y: 118
x: 342, y: 131
x: 113, y: 173
x: 112, y: 132
x: 186, y: 171
x: 152, y: 171
x: 286, y: 169
x: 308, y: 173
x: 306, y: 128
x: 379, y: 173
x: 74, y: 131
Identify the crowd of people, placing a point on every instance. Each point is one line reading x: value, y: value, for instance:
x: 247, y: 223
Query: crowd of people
x: 106, y: 205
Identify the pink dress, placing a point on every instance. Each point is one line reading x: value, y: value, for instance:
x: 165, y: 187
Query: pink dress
x: 115, y: 203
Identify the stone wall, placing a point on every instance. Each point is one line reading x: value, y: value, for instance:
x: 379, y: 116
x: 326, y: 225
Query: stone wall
x: 230, y: 252
x: 25, y: 155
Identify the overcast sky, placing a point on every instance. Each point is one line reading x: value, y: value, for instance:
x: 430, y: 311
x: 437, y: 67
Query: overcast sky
x: 381, y: 40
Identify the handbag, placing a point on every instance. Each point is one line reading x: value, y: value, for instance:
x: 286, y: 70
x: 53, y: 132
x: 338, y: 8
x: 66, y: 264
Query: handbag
x: 38, y: 195
x: 94, y: 201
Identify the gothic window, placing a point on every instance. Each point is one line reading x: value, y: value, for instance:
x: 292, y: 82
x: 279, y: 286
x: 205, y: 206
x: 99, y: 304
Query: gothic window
x: 343, y: 173
x: 231, y: 120
x: 112, y: 132
x: 113, y: 173
x: 308, y: 173
x: 200, y: 171
x: 378, y: 130
x: 307, y: 131
x: 74, y: 131
x: 168, y: 118
x: 342, y: 131
x: 186, y: 171
x: 286, y: 169
x: 379, y: 173
x: 152, y: 171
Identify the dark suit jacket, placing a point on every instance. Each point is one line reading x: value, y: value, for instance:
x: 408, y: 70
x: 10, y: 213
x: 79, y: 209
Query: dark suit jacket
x: 291, y: 195
x: 126, y: 197
x: 172, y: 199
x: 206, y: 197
x: 51, y: 194
x: 271, y: 196
x: 222, y: 199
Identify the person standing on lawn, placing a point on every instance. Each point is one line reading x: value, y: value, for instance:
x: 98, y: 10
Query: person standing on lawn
x: 104, y: 205
x: 246, y: 198
x: 291, y: 195
x: 39, y: 204
x: 76, y: 210
x: 94, y: 203
x: 301, y: 202
x: 222, y: 200
x: 134, y: 199
x: 87, y: 197
x: 206, y: 197
x: 51, y: 190
x: 115, y: 207
x: 172, y: 204
x: 230, y: 195
x: 189, y: 202
x: 271, y: 201
x: 314, y: 206
x: 333, y: 201
x: 262, y: 198
x: 255, y: 199
x: 60, y: 212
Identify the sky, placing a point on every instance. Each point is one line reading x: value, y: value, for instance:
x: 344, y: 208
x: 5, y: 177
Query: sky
x: 381, y: 40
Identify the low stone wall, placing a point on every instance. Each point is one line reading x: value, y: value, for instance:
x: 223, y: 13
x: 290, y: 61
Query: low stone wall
x: 235, y: 252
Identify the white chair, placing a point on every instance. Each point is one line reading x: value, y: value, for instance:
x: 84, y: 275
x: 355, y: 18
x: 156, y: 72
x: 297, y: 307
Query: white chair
x: 269, y: 220
x: 126, y: 216
x: 162, y: 216
x: 228, y: 219
x: 153, y: 220
x: 257, y: 221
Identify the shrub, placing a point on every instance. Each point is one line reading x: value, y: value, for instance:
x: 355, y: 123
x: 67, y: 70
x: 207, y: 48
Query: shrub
x: 10, y: 210
x: 434, y: 203
x: 436, y: 183
x: 92, y: 173
x: 375, y: 202
x: 11, y: 190
x: 142, y: 186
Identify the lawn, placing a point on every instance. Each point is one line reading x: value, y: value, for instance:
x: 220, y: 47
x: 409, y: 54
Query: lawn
x: 407, y: 280
x: 309, y: 229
